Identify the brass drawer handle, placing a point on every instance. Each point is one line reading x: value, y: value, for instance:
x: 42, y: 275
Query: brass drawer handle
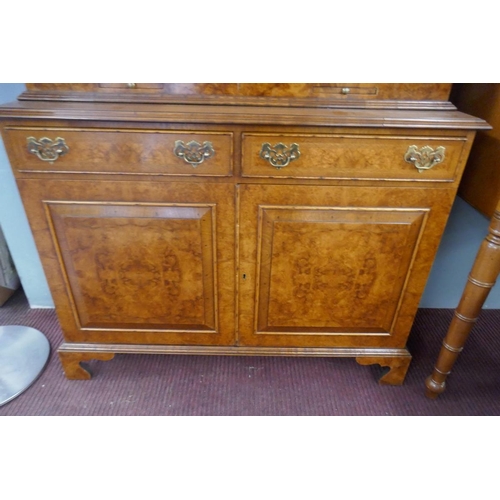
x: 279, y: 155
x: 424, y: 158
x: 47, y: 149
x: 193, y: 152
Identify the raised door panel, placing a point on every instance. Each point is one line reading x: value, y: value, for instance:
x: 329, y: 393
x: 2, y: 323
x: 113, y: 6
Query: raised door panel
x: 130, y: 266
x: 331, y: 266
x: 137, y: 271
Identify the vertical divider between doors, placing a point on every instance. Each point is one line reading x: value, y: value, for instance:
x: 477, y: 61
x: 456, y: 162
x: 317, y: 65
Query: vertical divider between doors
x: 237, y: 265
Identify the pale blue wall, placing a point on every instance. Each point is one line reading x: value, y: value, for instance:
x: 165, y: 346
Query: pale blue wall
x: 463, y: 235
x: 15, y: 225
x: 461, y: 240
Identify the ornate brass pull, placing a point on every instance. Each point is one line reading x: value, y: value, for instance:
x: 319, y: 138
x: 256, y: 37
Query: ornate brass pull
x: 193, y: 152
x: 424, y: 158
x: 47, y: 149
x: 280, y: 155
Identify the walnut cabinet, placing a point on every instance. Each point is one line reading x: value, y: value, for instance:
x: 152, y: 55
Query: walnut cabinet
x: 241, y: 227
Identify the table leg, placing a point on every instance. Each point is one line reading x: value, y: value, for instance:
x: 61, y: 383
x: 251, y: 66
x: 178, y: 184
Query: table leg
x: 481, y: 279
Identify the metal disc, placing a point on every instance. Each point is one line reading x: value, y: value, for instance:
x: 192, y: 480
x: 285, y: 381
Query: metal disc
x: 24, y: 352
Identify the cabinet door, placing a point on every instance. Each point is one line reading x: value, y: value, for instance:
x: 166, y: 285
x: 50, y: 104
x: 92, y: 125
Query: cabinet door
x: 335, y: 266
x: 137, y: 262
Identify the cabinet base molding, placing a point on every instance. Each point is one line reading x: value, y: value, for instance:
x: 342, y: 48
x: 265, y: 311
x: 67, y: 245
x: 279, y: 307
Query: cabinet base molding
x: 72, y: 354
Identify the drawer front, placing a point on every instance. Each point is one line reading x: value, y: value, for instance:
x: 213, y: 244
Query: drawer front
x: 352, y: 157
x: 104, y: 151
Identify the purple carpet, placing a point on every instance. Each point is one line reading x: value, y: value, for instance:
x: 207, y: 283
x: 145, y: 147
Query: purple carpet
x: 216, y: 385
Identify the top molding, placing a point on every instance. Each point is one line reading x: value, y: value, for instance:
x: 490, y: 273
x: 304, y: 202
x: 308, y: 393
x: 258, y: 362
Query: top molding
x: 386, y: 105
x: 255, y: 115
x: 314, y: 94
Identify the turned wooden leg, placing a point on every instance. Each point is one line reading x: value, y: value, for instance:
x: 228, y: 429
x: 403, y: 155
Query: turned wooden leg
x: 398, y: 366
x: 71, y: 363
x: 481, y: 279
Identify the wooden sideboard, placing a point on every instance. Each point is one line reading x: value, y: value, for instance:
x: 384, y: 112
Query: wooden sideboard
x: 230, y: 219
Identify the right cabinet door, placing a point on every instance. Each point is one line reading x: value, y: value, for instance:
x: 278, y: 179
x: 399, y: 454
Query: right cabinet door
x: 330, y: 266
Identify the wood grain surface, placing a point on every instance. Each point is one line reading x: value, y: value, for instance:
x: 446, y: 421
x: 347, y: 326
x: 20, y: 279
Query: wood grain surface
x: 124, y: 268
x: 351, y: 157
x: 335, y: 266
x: 126, y: 151
x: 400, y: 91
x: 480, y: 185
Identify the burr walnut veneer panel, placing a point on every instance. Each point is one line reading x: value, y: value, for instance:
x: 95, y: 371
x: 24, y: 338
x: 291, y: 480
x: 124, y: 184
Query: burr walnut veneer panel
x: 204, y: 228
x: 126, y: 269
x: 312, y: 92
x: 352, y: 157
x: 341, y: 268
x: 138, y: 265
x: 121, y: 151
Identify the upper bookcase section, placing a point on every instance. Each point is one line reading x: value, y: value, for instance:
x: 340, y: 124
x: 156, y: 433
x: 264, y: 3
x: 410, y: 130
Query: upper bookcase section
x: 398, y: 95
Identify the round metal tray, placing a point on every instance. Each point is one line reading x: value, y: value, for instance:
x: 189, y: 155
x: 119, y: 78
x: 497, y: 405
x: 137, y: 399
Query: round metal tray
x: 24, y: 352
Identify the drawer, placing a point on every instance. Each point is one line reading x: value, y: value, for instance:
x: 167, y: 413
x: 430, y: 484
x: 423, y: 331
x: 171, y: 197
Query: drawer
x: 307, y: 156
x: 105, y: 151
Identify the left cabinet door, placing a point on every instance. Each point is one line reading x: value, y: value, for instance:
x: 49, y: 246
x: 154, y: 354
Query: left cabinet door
x: 137, y: 262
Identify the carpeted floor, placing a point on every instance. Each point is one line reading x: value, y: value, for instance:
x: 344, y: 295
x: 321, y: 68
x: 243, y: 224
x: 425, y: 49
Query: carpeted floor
x: 233, y: 386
